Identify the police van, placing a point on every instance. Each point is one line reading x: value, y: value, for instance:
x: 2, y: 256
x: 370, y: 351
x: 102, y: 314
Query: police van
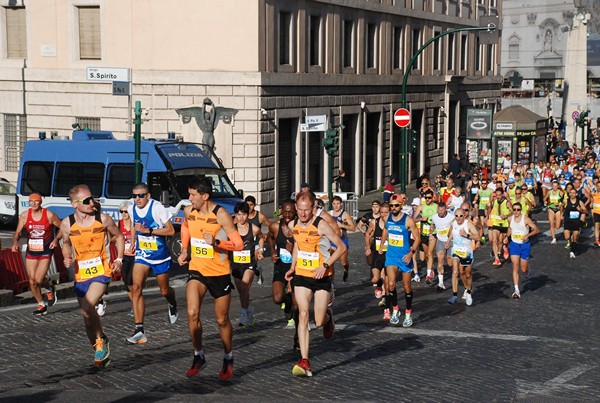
x: 95, y: 158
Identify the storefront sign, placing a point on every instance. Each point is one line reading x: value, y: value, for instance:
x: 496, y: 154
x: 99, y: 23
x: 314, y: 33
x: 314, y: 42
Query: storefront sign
x: 479, y: 124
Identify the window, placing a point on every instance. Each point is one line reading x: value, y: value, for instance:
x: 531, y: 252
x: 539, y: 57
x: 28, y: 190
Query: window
x: 87, y: 122
x: 315, y: 40
x: 119, y: 179
x: 513, y: 51
x: 285, y: 38
x: 15, y: 137
x: 416, y: 44
x: 437, y: 51
x: 371, y: 48
x: 478, y: 55
x: 37, y: 177
x: 348, y: 43
x: 436, y: 128
x: 398, y: 48
x: 490, y: 59
x: 451, y: 50
x: 16, y: 33
x: 464, y: 52
x: 89, y: 33
x: 69, y: 174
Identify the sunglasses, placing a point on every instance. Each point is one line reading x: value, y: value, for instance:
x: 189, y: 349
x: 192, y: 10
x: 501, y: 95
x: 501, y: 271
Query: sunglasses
x: 516, y: 209
x: 85, y: 201
x: 394, y: 205
x: 428, y: 198
x: 459, y: 215
x: 138, y: 195
x: 123, y: 211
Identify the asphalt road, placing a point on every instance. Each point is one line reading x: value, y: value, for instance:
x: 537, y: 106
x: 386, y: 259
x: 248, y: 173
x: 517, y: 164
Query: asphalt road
x: 542, y: 348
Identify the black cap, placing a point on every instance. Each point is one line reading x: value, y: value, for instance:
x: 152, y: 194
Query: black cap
x: 304, y: 185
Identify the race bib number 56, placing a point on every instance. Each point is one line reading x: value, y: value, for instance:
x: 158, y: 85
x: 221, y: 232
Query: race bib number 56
x: 201, y: 249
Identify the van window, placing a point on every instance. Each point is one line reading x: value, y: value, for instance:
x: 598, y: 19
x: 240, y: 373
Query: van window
x: 120, y: 180
x: 69, y: 174
x: 37, y: 177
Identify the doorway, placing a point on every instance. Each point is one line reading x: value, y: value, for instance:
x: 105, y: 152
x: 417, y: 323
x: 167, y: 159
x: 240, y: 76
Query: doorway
x: 286, y: 158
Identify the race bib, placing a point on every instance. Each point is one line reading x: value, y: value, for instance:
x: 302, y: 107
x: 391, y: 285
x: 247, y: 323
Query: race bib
x: 147, y: 242
x: 201, y: 249
x: 241, y: 256
x: 91, y: 268
x: 396, y: 240
x: 554, y: 199
x: 378, y: 245
x: 426, y: 229
x: 460, y: 252
x: 517, y: 237
x: 547, y: 180
x: 573, y: 215
x: 443, y: 231
x: 485, y: 199
x: 36, y: 245
x: 474, y: 191
x: 285, y: 256
x: 308, y: 260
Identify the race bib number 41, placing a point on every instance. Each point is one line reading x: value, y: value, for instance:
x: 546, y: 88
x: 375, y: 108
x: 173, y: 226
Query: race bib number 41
x: 147, y: 242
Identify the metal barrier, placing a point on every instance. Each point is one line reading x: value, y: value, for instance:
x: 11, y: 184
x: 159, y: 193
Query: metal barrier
x: 349, y: 199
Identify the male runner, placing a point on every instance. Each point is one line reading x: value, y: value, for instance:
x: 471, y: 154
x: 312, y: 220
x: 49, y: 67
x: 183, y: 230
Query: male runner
x: 210, y: 230
x: 346, y: 223
x: 372, y: 247
x: 84, y: 232
x: 440, y: 229
x: 521, y: 229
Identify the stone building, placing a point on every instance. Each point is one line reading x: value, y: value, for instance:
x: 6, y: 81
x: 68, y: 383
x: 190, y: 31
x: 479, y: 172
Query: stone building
x: 267, y: 64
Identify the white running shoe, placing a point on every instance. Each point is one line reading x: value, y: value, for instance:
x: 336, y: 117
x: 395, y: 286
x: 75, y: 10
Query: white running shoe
x: 469, y: 300
x: 137, y: 338
x: 101, y: 308
x: 416, y: 278
x: 464, y: 296
x: 571, y: 255
x: 173, y: 314
x: 553, y: 242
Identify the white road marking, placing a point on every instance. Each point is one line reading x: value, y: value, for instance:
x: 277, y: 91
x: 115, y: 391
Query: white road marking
x: 554, y: 385
x: 449, y: 333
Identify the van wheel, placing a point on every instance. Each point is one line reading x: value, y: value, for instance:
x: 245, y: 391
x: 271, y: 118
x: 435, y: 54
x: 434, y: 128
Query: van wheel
x: 174, y: 244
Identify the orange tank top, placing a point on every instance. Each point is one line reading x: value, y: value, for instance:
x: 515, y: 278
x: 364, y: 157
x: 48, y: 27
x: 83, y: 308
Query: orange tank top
x: 206, y: 259
x: 89, y: 243
x: 309, y: 256
x: 596, y: 203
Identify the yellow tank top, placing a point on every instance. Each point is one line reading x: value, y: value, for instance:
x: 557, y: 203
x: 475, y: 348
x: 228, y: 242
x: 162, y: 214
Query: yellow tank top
x: 309, y: 256
x: 206, y: 259
x: 89, y: 244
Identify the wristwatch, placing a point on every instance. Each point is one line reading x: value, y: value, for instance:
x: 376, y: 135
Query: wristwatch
x: 119, y: 259
x: 325, y: 266
x: 150, y: 230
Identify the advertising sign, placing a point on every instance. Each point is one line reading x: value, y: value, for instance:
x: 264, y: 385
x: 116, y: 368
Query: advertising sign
x: 479, y: 124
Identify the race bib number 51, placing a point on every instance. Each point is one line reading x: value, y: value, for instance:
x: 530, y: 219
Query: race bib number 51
x: 308, y: 260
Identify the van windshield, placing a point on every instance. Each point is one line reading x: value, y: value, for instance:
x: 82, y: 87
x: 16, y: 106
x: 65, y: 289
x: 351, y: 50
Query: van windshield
x: 222, y: 187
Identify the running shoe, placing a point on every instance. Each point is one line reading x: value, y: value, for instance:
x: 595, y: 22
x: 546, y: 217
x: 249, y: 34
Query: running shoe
x: 382, y: 303
x: 441, y: 287
x: 138, y: 337
x: 452, y: 300
x: 483, y: 240
x: 198, y: 365
x: 102, y: 349
x: 227, y: 371
x: 101, y: 307
x: 464, y: 296
x: 130, y: 313
x: 516, y: 295
x: 291, y: 324
x: 41, y: 310
x: 469, y: 300
x: 571, y: 255
x: 553, y: 242
x: 259, y: 275
x: 51, y: 297
x: 416, y: 278
x: 331, y: 295
x: 173, y: 315
x: 394, y: 320
x: 378, y: 293
x: 497, y: 262
x: 282, y: 305
x: 329, y: 327
x: 429, y: 278
x: 597, y: 243
x: 250, y: 315
x: 407, y: 320
x: 302, y: 368
x: 506, y: 253
x: 345, y: 277
x: 386, y: 314
x: 244, y: 318
x: 568, y: 245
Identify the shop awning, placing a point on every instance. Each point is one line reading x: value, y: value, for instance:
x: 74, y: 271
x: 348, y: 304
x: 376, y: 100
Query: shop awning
x: 516, y: 121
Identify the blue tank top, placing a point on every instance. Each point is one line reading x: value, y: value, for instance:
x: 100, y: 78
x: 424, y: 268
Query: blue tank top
x: 151, y: 248
x: 398, y: 239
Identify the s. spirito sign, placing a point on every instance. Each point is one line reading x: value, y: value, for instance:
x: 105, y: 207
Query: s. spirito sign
x: 107, y: 74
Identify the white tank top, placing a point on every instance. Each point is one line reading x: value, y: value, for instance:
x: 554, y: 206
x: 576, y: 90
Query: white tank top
x: 518, y: 229
x: 461, y: 246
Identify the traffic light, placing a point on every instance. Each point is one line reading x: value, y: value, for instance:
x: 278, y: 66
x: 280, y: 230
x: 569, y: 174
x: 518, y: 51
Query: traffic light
x: 413, y: 140
x: 331, y: 141
x: 581, y: 121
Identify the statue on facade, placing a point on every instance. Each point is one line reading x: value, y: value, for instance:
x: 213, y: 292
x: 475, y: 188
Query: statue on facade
x: 548, y: 41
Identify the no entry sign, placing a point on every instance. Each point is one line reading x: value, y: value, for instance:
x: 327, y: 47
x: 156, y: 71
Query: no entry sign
x: 402, y: 117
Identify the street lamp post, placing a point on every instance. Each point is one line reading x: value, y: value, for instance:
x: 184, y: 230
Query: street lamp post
x: 490, y: 27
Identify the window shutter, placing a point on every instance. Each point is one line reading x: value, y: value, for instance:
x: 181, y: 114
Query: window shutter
x: 16, y: 33
x: 89, y: 33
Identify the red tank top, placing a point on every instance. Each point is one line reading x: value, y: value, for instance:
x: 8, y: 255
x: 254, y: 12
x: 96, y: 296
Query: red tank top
x: 129, y: 240
x: 39, y: 233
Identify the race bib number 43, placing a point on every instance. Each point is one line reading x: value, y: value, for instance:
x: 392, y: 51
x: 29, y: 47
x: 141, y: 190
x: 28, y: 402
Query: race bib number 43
x: 91, y: 268
x: 201, y: 249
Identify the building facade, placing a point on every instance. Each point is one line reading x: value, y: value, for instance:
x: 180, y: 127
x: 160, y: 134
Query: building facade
x: 265, y: 65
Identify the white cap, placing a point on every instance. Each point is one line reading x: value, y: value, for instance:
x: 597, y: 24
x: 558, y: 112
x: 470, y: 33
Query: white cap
x: 416, y: 202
